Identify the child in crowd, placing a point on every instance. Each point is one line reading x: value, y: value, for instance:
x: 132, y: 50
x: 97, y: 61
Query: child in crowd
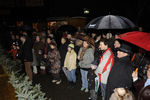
x: 54, y: 59
x: 92, y: 83
x: 70, y: 65
x: 13, y: 51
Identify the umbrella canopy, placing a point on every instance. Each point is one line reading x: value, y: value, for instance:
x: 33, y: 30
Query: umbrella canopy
x: 140, y: 39
x: 110, y: 22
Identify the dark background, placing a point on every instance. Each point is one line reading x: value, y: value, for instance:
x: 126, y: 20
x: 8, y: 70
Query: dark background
x: 137, y: 11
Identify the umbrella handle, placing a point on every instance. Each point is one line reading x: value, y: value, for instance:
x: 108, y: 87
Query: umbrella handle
x: 141, y: 59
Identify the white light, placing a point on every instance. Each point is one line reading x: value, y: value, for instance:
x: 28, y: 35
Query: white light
x: 86, y: 11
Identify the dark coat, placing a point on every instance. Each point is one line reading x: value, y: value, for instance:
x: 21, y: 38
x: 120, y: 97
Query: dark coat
x: 144, y: 93
x: 37, y: 47
x: 97, y: 56
x: 46, y: 49
x: 91, y: 79
x: 27, y: 50
x: 63, y: 51
x: 76, y: 49
x: 91, y: 75
x: 137, y: 86
x: 120, y: 76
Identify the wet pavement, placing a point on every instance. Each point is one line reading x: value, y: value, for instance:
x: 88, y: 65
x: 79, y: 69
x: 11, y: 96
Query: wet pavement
x: 60, y: 92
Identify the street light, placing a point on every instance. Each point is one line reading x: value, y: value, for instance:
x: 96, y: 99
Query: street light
x: 86, y: 11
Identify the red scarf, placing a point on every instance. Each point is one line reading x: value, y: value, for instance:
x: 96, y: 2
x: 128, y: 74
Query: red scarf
x: 108, y: 62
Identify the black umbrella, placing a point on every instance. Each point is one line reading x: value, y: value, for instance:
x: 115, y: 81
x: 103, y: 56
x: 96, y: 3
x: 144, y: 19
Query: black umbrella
x: 110, y: 22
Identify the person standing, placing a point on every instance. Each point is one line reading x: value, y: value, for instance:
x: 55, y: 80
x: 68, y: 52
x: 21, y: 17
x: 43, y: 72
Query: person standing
x: 38, y: 47
x: 105, y: 64
x: 92, y: 84
x: 46, y: 51
x: 54, y: 59
x: 86, y: 57
x: 70, y: 65
x: 63, y: 49
x: 27, y: 54
x: 121, y: 73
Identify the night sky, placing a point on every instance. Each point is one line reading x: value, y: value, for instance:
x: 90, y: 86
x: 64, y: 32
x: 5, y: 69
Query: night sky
x: 137, y: 11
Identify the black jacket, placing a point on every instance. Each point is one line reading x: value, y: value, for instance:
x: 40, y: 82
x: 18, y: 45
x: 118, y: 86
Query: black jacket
x: 27, y: 50
x: 91, y: 79
x: 63, y: 51
x: 120, y: 76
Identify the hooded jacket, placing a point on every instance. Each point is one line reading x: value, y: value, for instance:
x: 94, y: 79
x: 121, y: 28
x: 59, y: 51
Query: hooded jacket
x: 70, y: 60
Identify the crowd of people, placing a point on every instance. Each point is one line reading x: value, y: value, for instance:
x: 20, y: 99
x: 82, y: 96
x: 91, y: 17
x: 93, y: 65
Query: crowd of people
x: 108, y: 66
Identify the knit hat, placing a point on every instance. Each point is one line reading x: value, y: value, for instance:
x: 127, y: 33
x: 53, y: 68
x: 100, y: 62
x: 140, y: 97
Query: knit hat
x: 71, y: 46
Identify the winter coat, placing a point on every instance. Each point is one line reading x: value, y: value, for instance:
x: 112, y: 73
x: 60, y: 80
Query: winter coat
x: 63, y: 52
x: 120, y: 76
x: 91, y: 79
x: 97, y: 56
x: 54, y: 59
x: 105, y: 65
x: 13, y: 52
x: 144, y: 93
x: 138, y: 86
x: 88, y: 58
x: 76, y: 49
x: 91, y: 73
x: 46, y: 49
x: 37, y: 47
x: 70, y: 60
x: 27, y: 50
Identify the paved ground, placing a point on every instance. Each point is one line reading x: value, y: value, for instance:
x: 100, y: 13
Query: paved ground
x: 60, y: 92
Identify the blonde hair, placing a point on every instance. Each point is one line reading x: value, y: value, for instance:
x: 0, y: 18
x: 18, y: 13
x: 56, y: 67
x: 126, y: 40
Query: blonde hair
x: 128, y: 94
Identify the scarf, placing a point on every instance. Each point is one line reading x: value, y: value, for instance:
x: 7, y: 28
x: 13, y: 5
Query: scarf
x: 82, y: 53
